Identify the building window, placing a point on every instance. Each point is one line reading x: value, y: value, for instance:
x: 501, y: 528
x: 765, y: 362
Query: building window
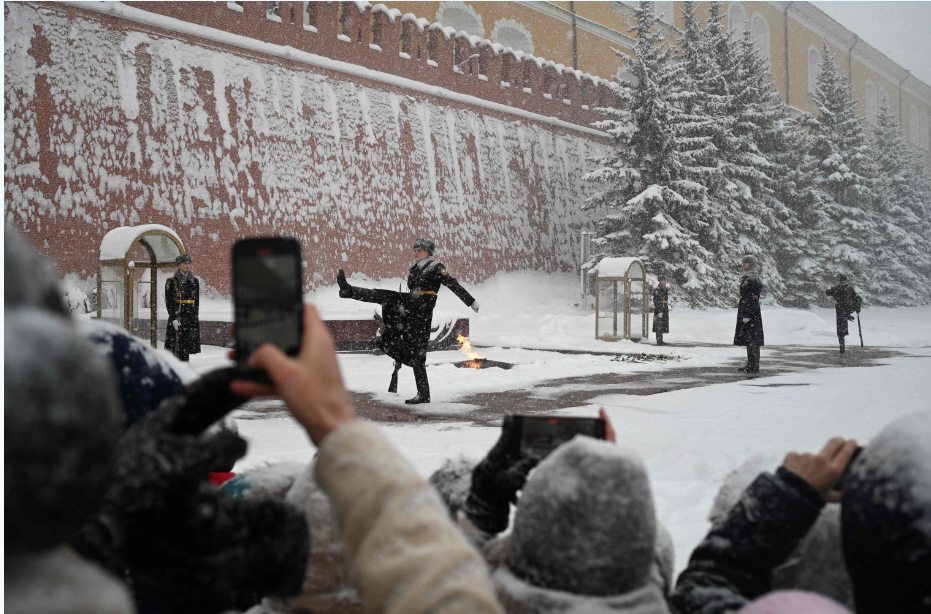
x: 871, y: 106
x: 760, y: 31
x: 461, y: 16
x: 913, y: 125
x: 737, y: 20
x: 665, y: 11
x: 923, y: 131
x: 512, y: 34
x: 273, y: 11
x: 814, y: 68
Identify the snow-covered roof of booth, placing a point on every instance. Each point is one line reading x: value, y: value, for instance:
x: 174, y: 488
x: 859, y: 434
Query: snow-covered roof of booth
x: 117, y: 243
x: 616, y: 267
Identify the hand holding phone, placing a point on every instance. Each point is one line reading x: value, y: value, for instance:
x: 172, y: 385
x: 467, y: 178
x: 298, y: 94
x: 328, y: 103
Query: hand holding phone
x: 540, y: 435
x: 267, y: 297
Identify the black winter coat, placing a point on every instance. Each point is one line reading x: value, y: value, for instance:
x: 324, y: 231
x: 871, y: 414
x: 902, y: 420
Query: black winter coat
x: 182, y: 300
x: 424, y: 281
x: 661, y: 310
x: 733, y: 565
x: 408, y: 317
x: 847, y: 302
x: 749, y: 333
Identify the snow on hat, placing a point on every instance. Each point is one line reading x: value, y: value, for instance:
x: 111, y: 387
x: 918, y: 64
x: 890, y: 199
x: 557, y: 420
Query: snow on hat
x: 586, y: 523
x: 144, y: 376
x: 425, y: 244
x: 751, y: 260
x: 29, y: 278
x: 183, y: 258
x: 62, y: 420
x: 886, y: 519
x: 452, y: 482
x: 793, y: 602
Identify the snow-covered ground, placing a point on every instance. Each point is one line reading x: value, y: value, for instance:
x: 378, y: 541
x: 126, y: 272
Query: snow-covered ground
x: 690, y: 439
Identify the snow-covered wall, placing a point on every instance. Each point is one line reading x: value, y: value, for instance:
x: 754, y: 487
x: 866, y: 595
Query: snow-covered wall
x: 111, y: 122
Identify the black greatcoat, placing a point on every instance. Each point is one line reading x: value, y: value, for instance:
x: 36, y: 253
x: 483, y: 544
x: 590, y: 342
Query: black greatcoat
x: 847, y: 302
x: 750, y: 333
x: 408, y: 317
x: 182, y: 300
x: 661, y: 310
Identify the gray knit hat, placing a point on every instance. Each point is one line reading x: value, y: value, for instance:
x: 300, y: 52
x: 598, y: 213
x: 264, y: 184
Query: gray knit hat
x: 586, y: 523
x: 425, y: 244
x: 62, y: 417
x: 30, y: 279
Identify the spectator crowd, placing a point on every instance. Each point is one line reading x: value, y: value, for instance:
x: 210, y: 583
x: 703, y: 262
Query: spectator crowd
x: 112, y: 502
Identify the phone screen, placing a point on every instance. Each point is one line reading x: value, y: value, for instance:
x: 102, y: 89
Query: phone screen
x: 541, y: 435
x: 269, y: 307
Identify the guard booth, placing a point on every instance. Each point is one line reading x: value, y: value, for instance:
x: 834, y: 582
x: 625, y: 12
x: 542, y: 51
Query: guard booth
x: 127, y: 276
x: 621, y: 308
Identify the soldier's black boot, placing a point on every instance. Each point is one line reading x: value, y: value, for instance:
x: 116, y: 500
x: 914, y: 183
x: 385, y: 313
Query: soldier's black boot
x: 393, y: 386
x: 345, y: 290
x: 843, y: 348
x: 659, y: 339
x: 746, y: 367
x: 754, y: 363
x: 423, y: 385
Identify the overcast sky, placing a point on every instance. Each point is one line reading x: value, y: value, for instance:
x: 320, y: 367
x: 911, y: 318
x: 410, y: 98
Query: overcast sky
x: 901, y: 30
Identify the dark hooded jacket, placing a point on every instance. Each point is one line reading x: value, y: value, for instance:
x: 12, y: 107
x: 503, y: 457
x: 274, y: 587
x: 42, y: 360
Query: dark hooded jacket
x: 847, y: 302
x: 886, y: 519
x: 734, y: 563
x: 751, y: 332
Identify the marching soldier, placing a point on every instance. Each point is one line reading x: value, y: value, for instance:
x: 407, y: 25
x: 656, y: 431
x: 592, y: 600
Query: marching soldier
x: 749, y: 330
x: 182, y: 299
x: 847, y: 302
x: 661, y: 310
x: 408, y: 316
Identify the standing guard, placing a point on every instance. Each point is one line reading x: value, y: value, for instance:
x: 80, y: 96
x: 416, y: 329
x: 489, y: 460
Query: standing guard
x: 182, y: 300
x: 847, y: 303
x: 408, y: 316
x: 749, y: 330
x: 661, y: 310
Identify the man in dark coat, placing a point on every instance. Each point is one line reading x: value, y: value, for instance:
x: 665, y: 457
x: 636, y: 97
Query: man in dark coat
x: 847, y: 301
x: 408, y: 316
x: 661, y: 310
x: 749, y: 330
x: 182, y: 300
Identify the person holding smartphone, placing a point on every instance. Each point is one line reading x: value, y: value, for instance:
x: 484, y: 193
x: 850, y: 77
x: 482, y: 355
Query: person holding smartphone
x: 182, y: 300
x: 408, y: 317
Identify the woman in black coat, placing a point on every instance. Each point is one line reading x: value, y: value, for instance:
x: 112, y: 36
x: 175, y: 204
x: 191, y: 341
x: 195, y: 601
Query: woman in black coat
x: 749, y: 330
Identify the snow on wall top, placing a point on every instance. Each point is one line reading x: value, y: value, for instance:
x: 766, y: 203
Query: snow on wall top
x: 117, y: 243
x: 618, y: 267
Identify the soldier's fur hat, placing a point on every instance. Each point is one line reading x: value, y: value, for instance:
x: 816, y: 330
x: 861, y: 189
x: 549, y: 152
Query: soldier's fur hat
x: 183, y: 258
x: 751, y: 260
x: 841, y: 277
x: 425, y: 244
x: 661, y: 278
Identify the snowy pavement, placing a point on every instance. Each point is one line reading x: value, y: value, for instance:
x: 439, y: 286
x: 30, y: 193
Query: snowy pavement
x: 693, y: 418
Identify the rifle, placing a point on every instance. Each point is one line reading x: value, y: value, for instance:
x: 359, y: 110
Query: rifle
x: 860, y: 328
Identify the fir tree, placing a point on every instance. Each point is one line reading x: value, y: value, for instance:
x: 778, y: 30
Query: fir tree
x: 846, y: 174
x: 644, y: 178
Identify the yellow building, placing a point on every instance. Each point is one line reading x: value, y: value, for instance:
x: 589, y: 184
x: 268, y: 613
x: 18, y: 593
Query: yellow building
x: 582, y: 35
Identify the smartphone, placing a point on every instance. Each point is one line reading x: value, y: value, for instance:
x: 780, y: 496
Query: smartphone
x: 267, y: 295
x: 839, y: 484
x: 540, y: 435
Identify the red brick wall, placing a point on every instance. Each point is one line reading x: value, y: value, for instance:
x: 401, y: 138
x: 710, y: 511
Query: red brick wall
x: 113, y: 122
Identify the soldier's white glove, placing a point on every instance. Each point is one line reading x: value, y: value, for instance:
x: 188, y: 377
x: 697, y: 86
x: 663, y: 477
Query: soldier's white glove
x: 176, y: 324
x: 745, y: 320
x: 474, y: 306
